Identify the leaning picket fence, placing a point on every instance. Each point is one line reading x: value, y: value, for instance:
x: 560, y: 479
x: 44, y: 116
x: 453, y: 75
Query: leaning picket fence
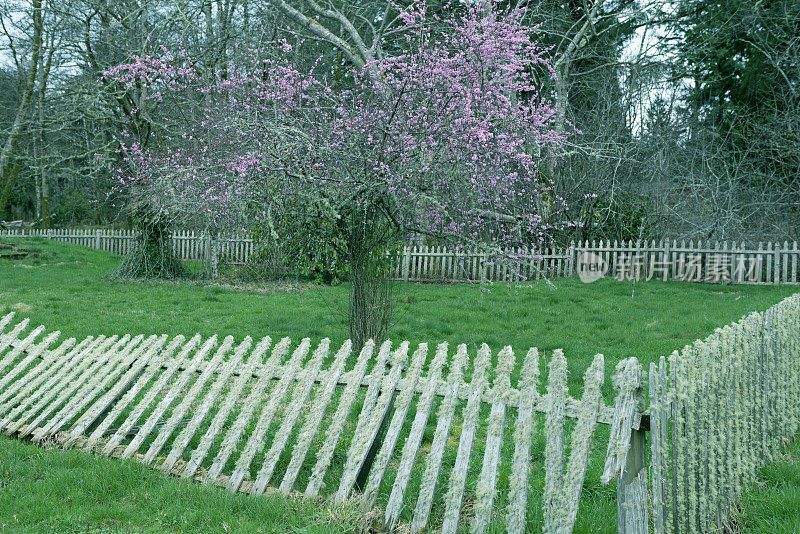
x: 727, y: 262
x: 280, y: 422
x: 254, y: 416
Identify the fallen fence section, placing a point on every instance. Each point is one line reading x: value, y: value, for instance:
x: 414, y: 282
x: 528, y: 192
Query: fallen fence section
x: 298, y: 419
x: 403, y: 427
x: 727, y: 262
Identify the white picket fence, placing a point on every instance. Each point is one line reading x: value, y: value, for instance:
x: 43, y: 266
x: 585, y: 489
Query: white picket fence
x: 727, y: 262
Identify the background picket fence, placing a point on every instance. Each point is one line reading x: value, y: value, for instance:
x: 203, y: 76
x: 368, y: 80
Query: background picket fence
x: 718, y: 410
x: 738, y: 263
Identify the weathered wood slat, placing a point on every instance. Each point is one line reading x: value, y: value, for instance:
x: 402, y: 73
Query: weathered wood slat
x: 26, y: 362
x: 658, y: 443
x: 334, y: 432
x: 7, y: 339
x: 361, y: 442
x: 581, y: 445
x: 487, y: 484
x: 433, y: 464
x: 458, y: 476
x: 101, y: 405
x: 45, y: 382
x: 148, y: 398
x: 626, y: 380
x: 18, y: 349
x: 225, y: 409
x: 412, y: 443
x: 67, y: 382
x: 180, y: 411
x: 554, y: 446
x: 256, y: 395
x: 163, y: 405
x: 301, y: 393
x: 41, y: 372
x: 133, y: 392
x: 199, y: 414
x: 256, y: 441
x: 526, y: 424
x: 5, y: 321
x: 96, y: 383
x: 317, y: 412
x: 402, y: 405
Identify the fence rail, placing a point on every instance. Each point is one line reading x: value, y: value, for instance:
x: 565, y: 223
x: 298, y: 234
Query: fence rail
x: 727, y: 262
x: 277, y: 415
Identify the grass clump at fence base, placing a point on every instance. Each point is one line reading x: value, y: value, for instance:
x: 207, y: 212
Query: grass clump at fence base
x: 152, y: 256
x: 772, y: 505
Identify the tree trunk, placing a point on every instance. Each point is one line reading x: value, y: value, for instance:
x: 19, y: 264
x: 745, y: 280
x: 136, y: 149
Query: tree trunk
x: 7, y: 178
x: 370, y: 303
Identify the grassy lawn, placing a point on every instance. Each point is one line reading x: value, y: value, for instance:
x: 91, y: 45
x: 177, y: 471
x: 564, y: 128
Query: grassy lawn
x: 65, y: 289
x: 773, y: 505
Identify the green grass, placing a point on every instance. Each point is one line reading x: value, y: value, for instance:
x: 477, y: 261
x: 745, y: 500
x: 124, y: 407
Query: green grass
x: 65, y: 288
x: 772, y: 506
x: 53, y: 490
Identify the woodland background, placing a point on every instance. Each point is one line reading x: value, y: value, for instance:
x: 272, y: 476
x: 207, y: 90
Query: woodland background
x: 689, y: 111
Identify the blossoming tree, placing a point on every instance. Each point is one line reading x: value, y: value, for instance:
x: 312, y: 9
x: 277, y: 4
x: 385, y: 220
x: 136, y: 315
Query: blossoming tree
x: 443, y: 139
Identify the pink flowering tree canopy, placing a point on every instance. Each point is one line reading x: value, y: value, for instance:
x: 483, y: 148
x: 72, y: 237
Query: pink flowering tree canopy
x: 444, y: 139
x: 448, y: 138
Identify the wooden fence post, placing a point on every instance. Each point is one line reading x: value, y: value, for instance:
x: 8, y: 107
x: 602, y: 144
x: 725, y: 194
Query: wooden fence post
x: 626, y: 451
x: 632, y: 488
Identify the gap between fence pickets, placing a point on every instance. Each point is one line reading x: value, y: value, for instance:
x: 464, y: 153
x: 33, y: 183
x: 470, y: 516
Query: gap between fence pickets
x: 605, y: 415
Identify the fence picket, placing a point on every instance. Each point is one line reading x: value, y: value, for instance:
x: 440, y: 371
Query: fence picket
x: 132, y: 393
x: 36, y: 394
x: 523, y: 433
x: 199, y: 454
x: 301, y: 392
x: 393, y: 433
x: 487, y: 484
x: 256, y: 441
x: 268, y: 371
x: 412, y: 443
x: 434, y: 460
x: 361, y: 442
x: 199, y: 414
x: 151, y: 422
x: 458, y: 476
x: 582, y: 436
x: 335, y: 429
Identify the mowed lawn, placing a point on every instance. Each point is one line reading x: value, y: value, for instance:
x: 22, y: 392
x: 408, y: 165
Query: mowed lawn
x: 66, y: 288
